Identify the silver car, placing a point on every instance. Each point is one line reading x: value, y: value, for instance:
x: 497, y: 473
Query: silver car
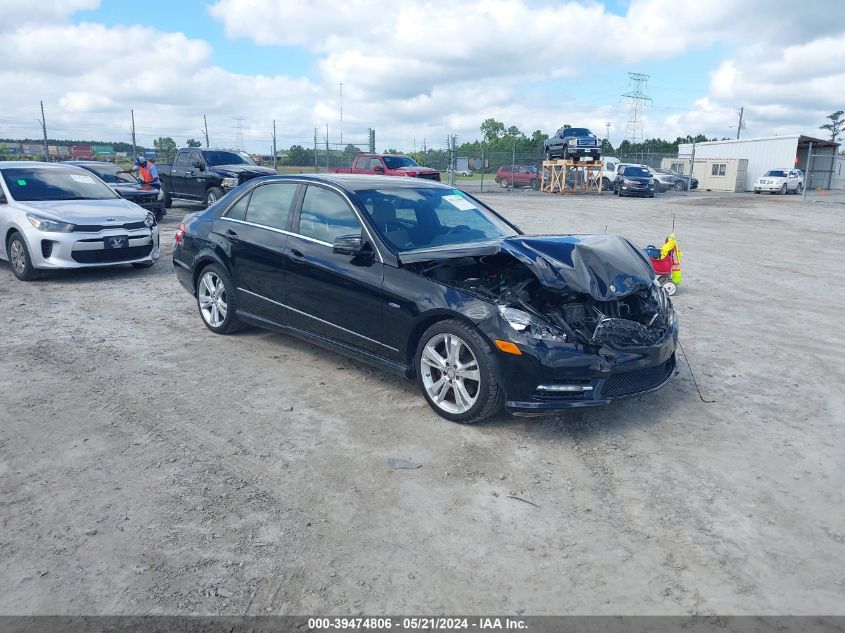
x: 56, y: 216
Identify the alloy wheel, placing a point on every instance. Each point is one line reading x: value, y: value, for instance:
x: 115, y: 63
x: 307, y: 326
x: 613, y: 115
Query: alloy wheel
x: 17, y: 255
x: 211, y: 295
x: 450, y: 373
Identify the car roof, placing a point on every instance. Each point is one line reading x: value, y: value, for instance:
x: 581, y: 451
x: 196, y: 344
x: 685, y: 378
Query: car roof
x: 356, y: 182
x: 33, y: 163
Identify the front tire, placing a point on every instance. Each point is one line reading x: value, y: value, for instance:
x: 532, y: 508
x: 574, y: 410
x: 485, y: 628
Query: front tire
x: 605, y: 184
x: 783, y: 190
x: 19, y: 258
x: 213, y: 195
x: 168, y: 201
x: 454, y: 367
x: 505, y: 183
x: 216, y: 300
x: 535, y: 184
x: 679, y: 185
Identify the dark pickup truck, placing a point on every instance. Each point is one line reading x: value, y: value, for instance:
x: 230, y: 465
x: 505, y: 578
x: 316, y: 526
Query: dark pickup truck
x: 387, y: 165
x: 203, y: 176
x: 573, y: 143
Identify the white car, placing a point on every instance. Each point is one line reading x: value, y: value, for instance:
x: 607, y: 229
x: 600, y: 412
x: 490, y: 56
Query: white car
x: 781, y: 181
x: 58, y: 216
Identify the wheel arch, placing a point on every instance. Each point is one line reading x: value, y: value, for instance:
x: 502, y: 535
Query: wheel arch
x: 202, y: 260
x: 419, y: 327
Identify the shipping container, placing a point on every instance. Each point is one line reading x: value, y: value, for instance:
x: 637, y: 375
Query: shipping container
x: 64, y: 150
x: 32, y: 149
x: 81, y: 151
x: 102, y: 150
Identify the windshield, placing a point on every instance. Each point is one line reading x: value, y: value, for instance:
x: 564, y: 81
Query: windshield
x: 577, y: 131
x: 395, y: 162
x: 31, y: 184
x: 777, y: 173
x: 637, y: 172
x: 409, y: 218
x: 213, y: 158
x: 109, y: 174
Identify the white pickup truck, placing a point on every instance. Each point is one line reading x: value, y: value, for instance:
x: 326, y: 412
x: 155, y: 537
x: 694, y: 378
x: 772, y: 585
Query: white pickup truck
x: 607, y: 174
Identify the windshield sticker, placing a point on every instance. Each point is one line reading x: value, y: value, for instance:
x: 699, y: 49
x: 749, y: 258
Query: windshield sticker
x: 460, y: 202
x: 22, y: 182
x: 85, y: 180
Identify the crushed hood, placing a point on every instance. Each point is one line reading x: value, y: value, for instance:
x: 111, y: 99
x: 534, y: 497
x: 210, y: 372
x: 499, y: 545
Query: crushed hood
x: 604, y: 266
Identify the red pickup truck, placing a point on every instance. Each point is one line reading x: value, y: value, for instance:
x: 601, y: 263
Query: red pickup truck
x: 387, y: 165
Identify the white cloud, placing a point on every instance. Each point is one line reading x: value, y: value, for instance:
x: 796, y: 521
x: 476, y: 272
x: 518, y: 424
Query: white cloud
x: 416, y: 69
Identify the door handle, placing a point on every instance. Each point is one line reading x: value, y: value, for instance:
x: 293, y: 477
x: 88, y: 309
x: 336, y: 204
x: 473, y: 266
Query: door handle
x: 231, y: 235
x: 295, y: 254
x: 189, y: 173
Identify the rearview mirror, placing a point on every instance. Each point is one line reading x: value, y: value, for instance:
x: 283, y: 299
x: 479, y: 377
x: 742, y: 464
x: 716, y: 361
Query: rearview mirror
x: 349, y: 245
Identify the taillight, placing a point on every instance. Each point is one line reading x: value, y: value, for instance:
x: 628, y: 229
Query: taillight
x: 180, y: 233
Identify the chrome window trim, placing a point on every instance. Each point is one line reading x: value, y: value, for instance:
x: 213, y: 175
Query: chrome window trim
x: 275, y: 230
x: 311, y: 316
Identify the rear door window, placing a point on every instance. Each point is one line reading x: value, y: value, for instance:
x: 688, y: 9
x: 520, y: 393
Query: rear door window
x: 269, y: 205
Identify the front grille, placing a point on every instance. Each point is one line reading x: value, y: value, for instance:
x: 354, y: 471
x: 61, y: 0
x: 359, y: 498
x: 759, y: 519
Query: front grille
x: 639, y: 380
x: 586, y: 142
x: 112, y: 255
x: 95, y: 228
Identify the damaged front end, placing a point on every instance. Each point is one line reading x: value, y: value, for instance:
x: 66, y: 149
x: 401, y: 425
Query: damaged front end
x: 585, y: 307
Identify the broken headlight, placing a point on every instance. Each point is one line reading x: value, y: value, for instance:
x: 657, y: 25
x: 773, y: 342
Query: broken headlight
x: 530, y: 325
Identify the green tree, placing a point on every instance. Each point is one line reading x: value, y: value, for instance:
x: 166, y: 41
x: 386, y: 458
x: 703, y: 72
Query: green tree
x: 192, y: 142
x: 492, y: 130
x: 835, y: 126
x: 165, y: 149
x: 300, y: 157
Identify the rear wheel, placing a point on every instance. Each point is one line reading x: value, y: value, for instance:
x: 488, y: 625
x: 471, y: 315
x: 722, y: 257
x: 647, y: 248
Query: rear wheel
x: 19, y: 259
x: 455, y: 372
x: 799, y: 188
x: 216, y: 300
x: 213, y: 195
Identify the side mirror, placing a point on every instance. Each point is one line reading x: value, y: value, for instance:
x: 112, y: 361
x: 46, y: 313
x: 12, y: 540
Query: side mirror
x: 378, y: 168
x: 349, y: 245
x: 197, y: 164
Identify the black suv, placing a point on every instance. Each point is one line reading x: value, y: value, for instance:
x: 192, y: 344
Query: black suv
x: 572, y: 143
x: 426, y: 281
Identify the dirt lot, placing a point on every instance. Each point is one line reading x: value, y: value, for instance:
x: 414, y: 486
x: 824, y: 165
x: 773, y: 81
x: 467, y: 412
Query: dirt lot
x: 149, y: 466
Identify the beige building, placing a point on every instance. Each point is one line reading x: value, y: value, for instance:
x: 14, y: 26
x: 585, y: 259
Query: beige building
x: 714, y: 174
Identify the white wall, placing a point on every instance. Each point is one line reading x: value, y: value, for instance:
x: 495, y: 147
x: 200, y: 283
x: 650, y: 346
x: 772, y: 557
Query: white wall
x: 762, y: 154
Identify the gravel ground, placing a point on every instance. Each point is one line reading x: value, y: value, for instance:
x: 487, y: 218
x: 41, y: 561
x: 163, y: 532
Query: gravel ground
x: 148, y: 466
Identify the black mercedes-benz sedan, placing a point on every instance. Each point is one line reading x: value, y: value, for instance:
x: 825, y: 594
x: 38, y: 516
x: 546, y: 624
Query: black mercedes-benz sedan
x: 427, y: 281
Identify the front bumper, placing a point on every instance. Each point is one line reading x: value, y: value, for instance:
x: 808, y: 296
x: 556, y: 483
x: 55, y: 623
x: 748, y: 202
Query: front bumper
x: 633, y: 190
x: 769, y: 186
x: 49, y: 250
x: 533, y: 381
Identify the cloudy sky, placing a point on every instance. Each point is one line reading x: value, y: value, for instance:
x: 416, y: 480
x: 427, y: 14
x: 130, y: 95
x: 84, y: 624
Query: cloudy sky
x: 414, y: 70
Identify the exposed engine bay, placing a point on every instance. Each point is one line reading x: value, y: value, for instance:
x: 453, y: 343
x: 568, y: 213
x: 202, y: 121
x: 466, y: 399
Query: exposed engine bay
x: 641, y: 317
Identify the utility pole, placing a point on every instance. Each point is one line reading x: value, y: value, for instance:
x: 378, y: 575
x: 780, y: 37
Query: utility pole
x: 327, y: 147
x: 205, y: 125
x: 274, y: 143
x: 316, y: 169
x: 739, y: 125
x: 44, y: 129
x: 341, y: 115
x: 134, y: 147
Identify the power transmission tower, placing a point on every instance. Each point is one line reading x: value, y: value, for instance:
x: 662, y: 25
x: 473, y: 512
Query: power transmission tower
x: 44, y: 129
x: 239, y: 130
x: 205, y: 125
x: 637, y: 99
x: 607, y: 125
